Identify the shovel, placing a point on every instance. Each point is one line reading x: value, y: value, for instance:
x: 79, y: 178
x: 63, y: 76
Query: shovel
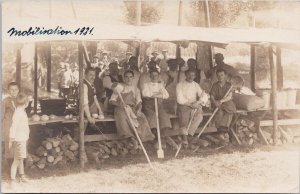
x: 160, y: 151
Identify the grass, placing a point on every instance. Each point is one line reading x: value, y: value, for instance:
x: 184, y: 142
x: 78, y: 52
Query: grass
x: 230, y: 169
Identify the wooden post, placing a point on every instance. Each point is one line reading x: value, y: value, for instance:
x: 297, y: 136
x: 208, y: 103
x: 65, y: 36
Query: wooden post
x: 178, y: 50
x: 85, y: 54
x: 48, y: 62
x: 138, y: 12
x: 274, y: 94
x: 208, y: 24
x: 35, y: 78
x: 81, y: 111
x: 18, y: 67
x: 279, y: 69
x: 252, y: 67
x: 138, y: 23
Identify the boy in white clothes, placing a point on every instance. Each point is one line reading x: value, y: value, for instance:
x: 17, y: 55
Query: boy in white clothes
x: 19, y: 134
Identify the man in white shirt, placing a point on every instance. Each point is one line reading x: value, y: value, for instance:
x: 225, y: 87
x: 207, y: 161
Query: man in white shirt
x: 151, y: 90
x: 190, y: 97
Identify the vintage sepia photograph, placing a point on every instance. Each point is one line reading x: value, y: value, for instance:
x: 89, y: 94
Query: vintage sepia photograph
x: 151, y: 96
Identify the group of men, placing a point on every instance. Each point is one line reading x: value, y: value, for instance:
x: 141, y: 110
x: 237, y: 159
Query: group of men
x: 174, y: 85
x: 68, y: 80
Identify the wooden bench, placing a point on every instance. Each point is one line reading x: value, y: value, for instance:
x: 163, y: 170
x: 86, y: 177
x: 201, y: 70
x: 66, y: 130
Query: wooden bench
x: 173, y: 132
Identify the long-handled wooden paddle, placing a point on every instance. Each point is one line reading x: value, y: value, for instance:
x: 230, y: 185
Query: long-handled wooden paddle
x: 160, y: 151
x: 134, y: 129
x: 193, y: 113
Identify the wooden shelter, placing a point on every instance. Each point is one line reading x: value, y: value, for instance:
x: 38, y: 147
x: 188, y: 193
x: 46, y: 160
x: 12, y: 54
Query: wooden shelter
x: 273, y: 37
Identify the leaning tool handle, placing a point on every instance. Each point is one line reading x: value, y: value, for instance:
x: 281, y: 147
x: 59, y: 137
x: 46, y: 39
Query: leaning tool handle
x: 98, y: 129
x: 134, y: 129
x: 194, y: 111
x: 188, y: 128
x: 213, y: 114
x: 157, y: 124
x: 189, y: 125
x: 192, y: 118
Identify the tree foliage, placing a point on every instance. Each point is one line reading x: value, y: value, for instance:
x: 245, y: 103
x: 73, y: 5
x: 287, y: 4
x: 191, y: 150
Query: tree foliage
x: 224, y: 13
x: 152, y: 11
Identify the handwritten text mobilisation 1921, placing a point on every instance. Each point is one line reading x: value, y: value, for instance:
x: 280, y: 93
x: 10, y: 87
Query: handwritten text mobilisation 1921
x: 83, y: 31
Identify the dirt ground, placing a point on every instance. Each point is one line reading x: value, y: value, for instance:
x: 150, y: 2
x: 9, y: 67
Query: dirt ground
x: 230, y: 169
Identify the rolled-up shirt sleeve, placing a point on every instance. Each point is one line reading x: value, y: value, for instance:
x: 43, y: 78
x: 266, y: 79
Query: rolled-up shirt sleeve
x: 165, y: 93
x: 203, y: 97
x: 114, y: 97
x: 85, y: 95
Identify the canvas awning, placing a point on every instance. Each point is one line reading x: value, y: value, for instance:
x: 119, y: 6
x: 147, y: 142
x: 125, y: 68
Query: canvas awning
x: 170, y: 33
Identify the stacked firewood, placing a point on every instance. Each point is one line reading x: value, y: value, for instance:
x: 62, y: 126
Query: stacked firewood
x: 284, y: 135
x: 53, y: 151
x: 99, y: 151
x: 246, y: 132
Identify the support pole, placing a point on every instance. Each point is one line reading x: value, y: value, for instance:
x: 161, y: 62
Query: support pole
x: 178, y: 50
x: 208, y: 24
x: 274, y: 94
x: 138, y: 12
x: 35, y: 79
x: 86, y: 55
x: 279, y: 69
x: 81, y: 111
x: 48, y: 62
x: 252, y: 67
x: 18, y: 67
x: 138, y: 23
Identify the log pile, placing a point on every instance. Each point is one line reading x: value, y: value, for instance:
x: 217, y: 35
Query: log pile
x: 53, y: 151
x: 284, y: 135
x: 99, y: 151
x: 246, y: 132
